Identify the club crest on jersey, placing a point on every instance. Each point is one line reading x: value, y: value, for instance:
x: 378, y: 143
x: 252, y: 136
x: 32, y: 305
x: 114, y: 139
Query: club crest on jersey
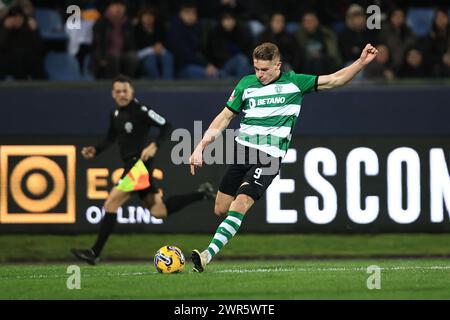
x: 128, y: 127
x: 278, y: 88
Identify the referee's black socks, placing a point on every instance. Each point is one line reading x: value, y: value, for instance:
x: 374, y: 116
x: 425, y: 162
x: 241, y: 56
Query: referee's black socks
x: 173, y: 204
x: 106, y: 228
x: 178, y: 202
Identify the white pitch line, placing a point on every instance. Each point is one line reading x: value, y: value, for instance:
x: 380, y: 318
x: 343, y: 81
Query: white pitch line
x: 47, y: 276
x: 331, y: 269
x: 240, y: 270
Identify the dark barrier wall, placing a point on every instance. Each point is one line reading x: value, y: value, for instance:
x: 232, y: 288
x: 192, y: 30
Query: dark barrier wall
x: 375, y: 111
x: 361, y: 184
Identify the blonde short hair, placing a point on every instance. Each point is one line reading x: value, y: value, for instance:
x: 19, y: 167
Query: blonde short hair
x: 267, y: 52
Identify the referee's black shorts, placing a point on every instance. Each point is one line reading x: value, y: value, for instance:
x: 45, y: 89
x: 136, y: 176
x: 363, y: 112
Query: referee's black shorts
x: 128, y: 164
x: 254, y: 167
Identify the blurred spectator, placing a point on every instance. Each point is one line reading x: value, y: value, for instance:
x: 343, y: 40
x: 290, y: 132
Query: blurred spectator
x: 318, y: 46
x: 397, y: 36
x: 184, y: 40
x: 276, y: 33
x: 229, y: 47
x: 414, y: 65
x: 113, y: 47
x: 166, y: 8
x: 439, y: 44
x: 156, y: 60
x: 380, y: 68
x: 119, y: 43
x: 20, y: 46
x: 26, y: 6
x: 80, y: 40
x: 211, y: 9
x: 445, y: 71
x: 101, y: 5
x: 244, y: 9
x: 329, y: 11
x: 258, y: 9
x: 356, y: 35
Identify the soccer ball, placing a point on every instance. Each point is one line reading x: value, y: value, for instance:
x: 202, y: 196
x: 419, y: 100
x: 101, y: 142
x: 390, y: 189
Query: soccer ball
x: 169, y: 259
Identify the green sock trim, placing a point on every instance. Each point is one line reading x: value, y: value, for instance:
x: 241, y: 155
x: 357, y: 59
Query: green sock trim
x: 232, y: 224
x: 211, y: 252
x: 217, y: 243
x: 224, y: 232
x: 236, y: 214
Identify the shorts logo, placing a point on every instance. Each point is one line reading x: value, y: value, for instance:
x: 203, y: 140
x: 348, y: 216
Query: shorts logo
x: 260, y: 184
x: 37, y: 184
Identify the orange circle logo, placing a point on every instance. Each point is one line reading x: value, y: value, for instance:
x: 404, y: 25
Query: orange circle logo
x: 37, y: 183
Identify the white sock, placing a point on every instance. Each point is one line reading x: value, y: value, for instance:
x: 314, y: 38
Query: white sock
x: 208, y: 256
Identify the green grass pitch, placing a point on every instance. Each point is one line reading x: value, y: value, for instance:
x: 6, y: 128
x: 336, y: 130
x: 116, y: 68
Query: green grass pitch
x: 247, y: 280
x: 251, y: 267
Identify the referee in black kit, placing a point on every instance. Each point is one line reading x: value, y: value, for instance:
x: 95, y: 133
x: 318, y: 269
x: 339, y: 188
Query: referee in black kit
x: 130, y: 123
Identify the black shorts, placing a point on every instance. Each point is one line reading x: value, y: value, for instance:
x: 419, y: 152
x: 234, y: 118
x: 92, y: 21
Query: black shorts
x: 128, y: 164
x: 258, y: 172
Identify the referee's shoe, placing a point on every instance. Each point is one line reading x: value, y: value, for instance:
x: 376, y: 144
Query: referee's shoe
x: 207, y: 189
x: 86, y: 255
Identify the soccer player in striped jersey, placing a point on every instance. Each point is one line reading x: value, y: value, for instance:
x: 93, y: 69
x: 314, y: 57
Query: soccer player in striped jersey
x: 271, y: 102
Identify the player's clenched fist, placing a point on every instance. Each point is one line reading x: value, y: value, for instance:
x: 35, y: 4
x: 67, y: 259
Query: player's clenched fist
x: 368, y: 54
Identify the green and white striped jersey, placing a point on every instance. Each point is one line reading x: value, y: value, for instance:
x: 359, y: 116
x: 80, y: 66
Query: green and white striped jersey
x: 270, y: 111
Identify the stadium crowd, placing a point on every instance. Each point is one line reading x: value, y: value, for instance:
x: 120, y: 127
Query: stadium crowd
x: 213, y: 39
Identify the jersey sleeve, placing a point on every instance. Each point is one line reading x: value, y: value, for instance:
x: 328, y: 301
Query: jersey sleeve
x: 306, y: 82
x: 235, y: 102
x: 157, y: 120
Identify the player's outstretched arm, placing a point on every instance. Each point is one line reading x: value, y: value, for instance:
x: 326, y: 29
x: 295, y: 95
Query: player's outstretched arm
x: 215, y: 129
x: 346, y: 74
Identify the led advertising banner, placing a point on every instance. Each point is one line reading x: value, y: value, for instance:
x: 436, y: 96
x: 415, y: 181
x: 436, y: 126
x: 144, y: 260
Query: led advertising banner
x: 345, y: 185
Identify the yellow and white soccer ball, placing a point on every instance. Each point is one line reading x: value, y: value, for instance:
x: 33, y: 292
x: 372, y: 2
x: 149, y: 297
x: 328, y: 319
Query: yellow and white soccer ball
x: 169, y: 259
